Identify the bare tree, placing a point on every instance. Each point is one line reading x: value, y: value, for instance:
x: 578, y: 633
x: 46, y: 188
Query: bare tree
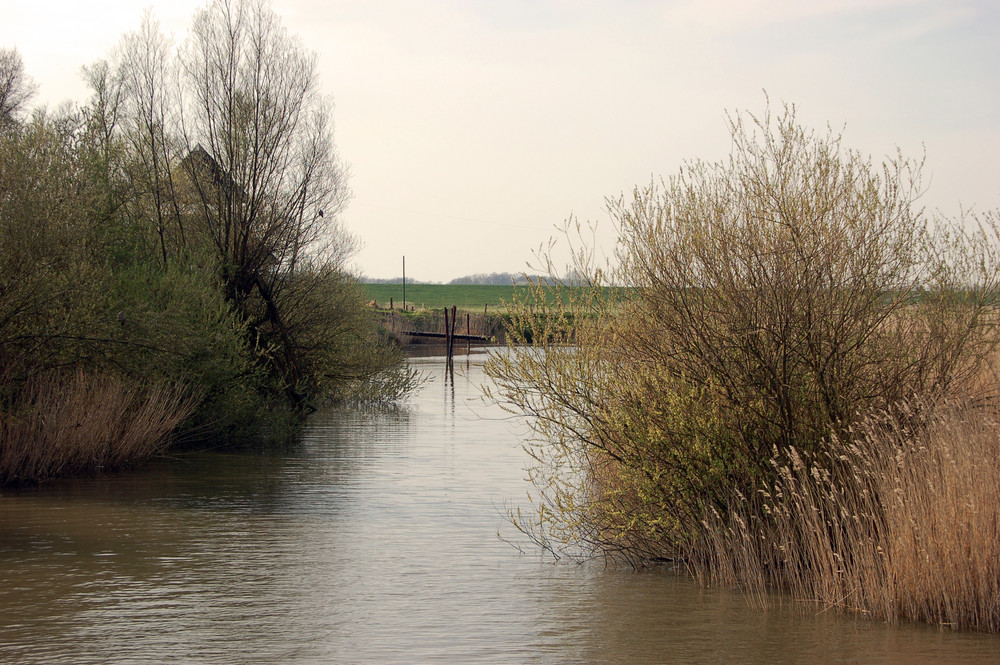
x: 16, y: 88
x: 268, y: 180
x: 225, y: 146
x: 146, y: 74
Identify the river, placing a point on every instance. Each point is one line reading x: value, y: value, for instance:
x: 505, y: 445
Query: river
x: 373, y: 539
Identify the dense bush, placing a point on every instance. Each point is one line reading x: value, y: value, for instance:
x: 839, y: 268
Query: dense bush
x: 770, y: 303
x: 184, y: 236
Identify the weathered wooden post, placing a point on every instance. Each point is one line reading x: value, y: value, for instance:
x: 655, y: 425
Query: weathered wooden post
x: 451, y: 338
x: 447, y: 336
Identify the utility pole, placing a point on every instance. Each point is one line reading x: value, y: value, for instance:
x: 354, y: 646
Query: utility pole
x: 404, y: 283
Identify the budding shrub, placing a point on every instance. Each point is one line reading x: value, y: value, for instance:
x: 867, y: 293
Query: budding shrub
x: 767, y: 301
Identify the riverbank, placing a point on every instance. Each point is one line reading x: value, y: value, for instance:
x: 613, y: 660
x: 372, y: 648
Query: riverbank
x: 490, y: 328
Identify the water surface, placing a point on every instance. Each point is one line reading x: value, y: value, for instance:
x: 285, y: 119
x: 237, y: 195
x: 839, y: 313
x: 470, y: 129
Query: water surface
x: 372, y: 540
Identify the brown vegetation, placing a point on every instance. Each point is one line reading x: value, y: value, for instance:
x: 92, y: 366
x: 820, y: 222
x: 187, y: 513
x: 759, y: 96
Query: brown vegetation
x: 902, y: 523
x: 83, y: 423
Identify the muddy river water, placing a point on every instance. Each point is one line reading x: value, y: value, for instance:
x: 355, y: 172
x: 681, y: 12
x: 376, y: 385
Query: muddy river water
x: 373, y: 539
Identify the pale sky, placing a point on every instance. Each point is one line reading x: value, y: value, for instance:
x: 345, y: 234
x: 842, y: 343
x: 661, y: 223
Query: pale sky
x: 474, y: 128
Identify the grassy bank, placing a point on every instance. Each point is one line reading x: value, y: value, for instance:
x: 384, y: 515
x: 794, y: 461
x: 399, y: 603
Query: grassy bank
x: 472, y: 297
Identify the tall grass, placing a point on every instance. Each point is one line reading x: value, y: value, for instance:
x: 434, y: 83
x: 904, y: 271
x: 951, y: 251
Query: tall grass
x: 904, y: 523
x: 64, y: 424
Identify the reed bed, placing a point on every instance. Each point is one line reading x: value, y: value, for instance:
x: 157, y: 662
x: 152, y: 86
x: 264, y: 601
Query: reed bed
x: 902, y: 523
x: 79, y: 423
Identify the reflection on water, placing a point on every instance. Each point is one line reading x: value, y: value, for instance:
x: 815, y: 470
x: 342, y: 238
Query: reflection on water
x: 372, y: 540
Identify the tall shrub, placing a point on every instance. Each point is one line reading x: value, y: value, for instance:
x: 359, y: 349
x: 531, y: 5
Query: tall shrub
x: 769, y: 301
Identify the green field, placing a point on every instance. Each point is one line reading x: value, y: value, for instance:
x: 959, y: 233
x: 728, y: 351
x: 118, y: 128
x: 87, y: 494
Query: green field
x: 472, y: 297
x: 435, y: 296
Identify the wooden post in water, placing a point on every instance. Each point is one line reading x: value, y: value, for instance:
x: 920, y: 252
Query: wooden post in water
x: 451, y: 335
x: 447, y: 336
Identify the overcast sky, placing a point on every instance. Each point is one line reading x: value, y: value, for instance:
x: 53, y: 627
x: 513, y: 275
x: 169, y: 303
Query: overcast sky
x: 473, y: 128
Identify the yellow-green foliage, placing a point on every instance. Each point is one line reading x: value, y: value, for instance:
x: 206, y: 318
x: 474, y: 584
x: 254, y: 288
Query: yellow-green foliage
x: 769, y: 303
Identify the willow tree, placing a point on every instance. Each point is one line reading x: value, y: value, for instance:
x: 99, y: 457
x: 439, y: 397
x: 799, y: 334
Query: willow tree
x: 144, y: 99
x: 269, y: 185
x: 770, y: 302
x: 225, y: 150
x: 16, y: 87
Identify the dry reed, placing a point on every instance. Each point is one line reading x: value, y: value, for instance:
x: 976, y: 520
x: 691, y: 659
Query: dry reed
x: 903, y: 523
x: 66, y: 424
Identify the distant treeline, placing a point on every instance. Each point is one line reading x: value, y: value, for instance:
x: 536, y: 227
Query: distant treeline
x: 499, y: 279
x: 392, y: 280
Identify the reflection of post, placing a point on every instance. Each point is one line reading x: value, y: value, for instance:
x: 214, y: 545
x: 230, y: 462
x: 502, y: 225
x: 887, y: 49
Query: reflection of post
x: 449, y: 376
x: 449, y: 384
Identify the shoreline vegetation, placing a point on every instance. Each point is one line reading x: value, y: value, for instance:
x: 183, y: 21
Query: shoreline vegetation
x: 791, y: 385
x: 173, y: 267
x: 794, y: 389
